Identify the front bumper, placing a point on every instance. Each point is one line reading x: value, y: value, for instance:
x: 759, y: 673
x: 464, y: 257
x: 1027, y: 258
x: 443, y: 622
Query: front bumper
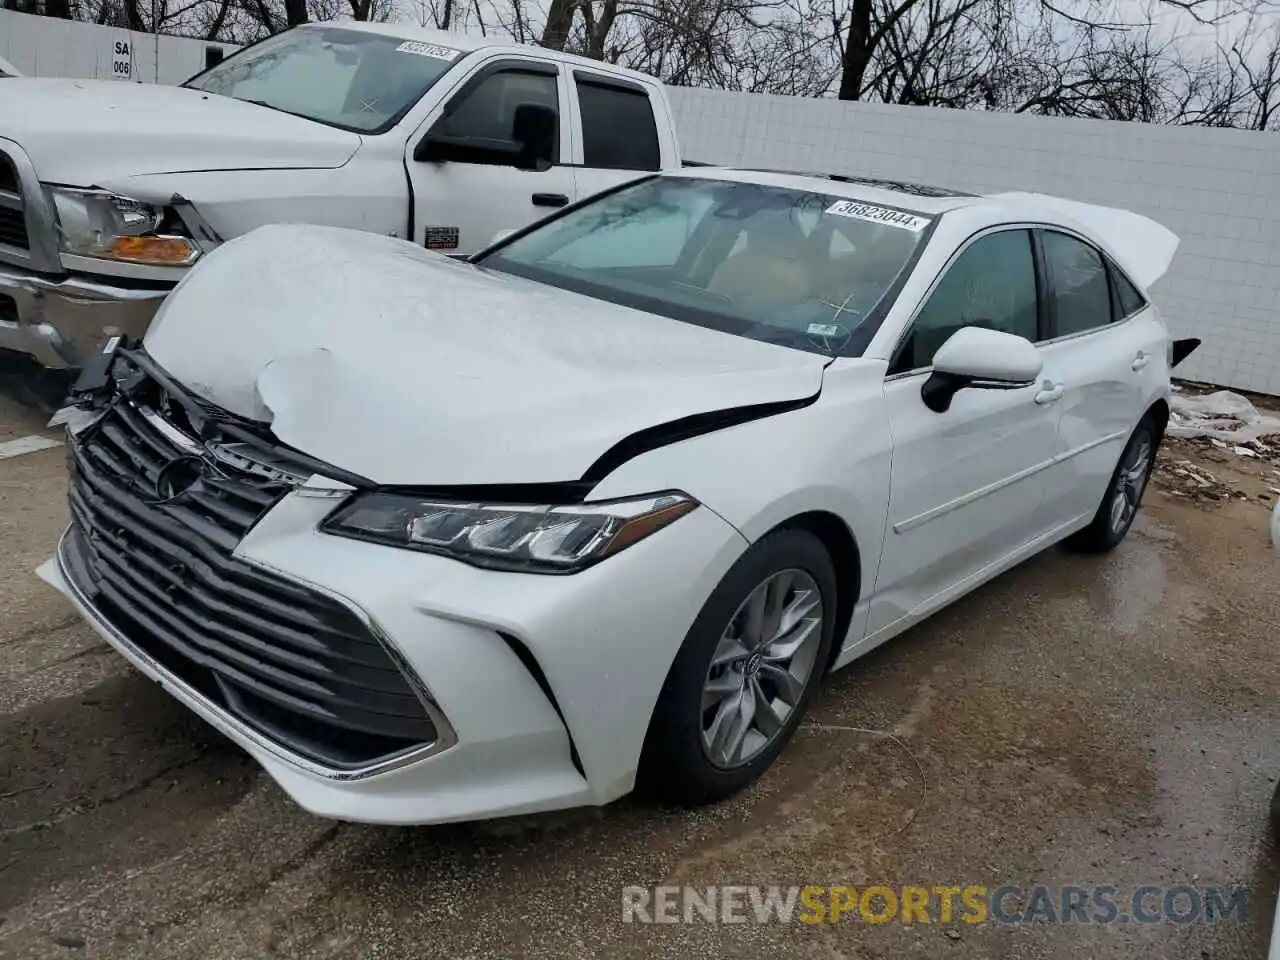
x: 60, y: 321
x: 540, y: 688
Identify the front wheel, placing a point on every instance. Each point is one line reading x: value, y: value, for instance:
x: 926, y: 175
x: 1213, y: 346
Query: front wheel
x: 746, y: 673
x: 1124, y: 493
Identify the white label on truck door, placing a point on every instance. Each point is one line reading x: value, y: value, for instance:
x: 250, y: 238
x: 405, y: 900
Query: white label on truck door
x: 868, y: 211
x: 121, y: 59
x: 428, y: 50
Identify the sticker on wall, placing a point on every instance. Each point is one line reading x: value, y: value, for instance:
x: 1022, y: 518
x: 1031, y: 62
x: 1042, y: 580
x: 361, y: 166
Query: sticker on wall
x: 428, y: 50
x: 441, y: 238
x: 121, y: 59
x: 874, y: 214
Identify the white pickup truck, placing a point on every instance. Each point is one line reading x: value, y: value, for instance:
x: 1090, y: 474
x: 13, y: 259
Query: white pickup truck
x: 109, y: 192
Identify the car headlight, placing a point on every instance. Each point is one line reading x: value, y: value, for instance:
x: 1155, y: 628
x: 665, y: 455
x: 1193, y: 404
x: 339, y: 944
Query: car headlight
x: 93, y: 223
x: 536, y: 539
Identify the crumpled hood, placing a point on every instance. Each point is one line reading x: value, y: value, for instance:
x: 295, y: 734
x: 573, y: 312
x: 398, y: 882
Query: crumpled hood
x: 405, y: 367
x: 87, y: 132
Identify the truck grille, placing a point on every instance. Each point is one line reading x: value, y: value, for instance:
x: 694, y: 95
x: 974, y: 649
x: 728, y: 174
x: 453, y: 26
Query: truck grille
x: 13, y: 217
x: 294, y: 664
x: 8, y: 175
x: 13, y: 228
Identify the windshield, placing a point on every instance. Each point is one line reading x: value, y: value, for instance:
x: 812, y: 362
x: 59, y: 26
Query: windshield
x: 798, y: 268
x: 351, y: 79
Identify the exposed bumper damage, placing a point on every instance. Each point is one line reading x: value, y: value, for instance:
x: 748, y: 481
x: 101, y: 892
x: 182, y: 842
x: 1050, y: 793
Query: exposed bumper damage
x: 372, y: 683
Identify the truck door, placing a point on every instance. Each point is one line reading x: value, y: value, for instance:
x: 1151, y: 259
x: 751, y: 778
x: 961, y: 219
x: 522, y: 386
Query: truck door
x: 493, y: 157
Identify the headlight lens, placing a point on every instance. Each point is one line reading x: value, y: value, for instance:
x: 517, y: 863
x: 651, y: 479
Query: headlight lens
x: 93, y: 223
x: 536, y: 539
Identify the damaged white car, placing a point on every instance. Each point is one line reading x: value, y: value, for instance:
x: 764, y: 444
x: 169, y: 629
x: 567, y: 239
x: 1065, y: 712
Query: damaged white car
x: 439, y: 540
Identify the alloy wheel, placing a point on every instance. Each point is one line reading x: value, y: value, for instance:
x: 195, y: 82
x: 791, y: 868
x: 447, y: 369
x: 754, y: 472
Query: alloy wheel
x: 1131, y: 480
x: 761, y: 667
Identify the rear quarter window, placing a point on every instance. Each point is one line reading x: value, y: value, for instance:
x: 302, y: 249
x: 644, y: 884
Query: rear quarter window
x: 1131, y: 301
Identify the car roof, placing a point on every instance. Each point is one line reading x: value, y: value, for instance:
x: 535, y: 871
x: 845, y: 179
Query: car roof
x: 468, y: 42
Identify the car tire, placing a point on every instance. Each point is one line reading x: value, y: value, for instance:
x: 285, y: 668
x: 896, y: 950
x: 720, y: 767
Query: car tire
x: 689, y: 756
x: 1129, y: 481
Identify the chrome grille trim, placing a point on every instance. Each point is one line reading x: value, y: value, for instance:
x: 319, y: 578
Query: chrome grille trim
x: 28, y: 225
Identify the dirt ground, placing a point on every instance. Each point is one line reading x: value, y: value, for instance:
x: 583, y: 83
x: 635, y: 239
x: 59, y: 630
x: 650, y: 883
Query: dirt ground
x: 1079, y: 721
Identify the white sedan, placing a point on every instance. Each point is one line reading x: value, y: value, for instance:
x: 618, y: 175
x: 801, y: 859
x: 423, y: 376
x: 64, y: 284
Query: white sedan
x: 439, y: 540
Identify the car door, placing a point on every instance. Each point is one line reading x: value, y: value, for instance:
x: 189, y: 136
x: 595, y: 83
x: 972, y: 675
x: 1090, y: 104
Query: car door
x: 1105, y: 346
x: 619, y: 138
x: 460, y: 205
x: 967, y: 483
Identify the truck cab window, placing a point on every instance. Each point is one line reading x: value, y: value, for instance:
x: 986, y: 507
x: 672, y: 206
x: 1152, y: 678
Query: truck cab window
x: 486, y: 114
x: 618, y: 129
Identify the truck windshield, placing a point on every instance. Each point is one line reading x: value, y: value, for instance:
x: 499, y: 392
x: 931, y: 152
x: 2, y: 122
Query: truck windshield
x: 802, y: 269
x: 359, y: 81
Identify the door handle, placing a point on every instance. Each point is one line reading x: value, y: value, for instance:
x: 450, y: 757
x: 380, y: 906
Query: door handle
x: 550, y: 200
x: 1049, y: 392
x: 1139, y: 361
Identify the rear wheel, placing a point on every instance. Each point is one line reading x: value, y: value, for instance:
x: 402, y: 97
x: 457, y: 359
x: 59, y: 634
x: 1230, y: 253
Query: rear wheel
x: 746, y: 673
x: 1124, y: 494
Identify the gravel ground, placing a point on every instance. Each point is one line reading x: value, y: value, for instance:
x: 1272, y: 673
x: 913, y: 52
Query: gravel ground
x: 1079, y: 721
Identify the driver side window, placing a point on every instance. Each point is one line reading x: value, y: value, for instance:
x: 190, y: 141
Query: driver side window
x: 991, y: 284
x: 486, y: 115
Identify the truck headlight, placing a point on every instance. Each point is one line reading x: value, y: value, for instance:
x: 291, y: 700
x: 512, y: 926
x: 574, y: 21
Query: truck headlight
x: 535, y: 539
x: 94, y: 223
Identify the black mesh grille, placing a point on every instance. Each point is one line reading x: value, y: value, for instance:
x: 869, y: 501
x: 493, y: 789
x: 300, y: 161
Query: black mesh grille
x: 293, y: 663
x: 8, y: 175
x: 13, y: 228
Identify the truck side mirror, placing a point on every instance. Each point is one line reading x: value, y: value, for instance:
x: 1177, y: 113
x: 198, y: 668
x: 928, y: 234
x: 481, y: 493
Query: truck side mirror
x: 534, y: 128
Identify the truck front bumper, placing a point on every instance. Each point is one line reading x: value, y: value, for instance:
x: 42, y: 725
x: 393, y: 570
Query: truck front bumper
x: 58, y: 322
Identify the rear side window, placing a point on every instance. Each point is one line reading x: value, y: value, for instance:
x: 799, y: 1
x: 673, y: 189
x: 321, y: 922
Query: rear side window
x: 1131, y: 301
x: 618, y: 129
x: 1081, y: 294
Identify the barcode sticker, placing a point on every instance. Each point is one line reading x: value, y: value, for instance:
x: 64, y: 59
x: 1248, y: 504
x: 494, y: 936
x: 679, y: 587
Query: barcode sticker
x: 428, y: 50
x: 874, y: 214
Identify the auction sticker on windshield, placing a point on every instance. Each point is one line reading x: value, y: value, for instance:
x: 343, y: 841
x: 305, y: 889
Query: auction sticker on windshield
x: 428, y: 50
x: 867, y: 211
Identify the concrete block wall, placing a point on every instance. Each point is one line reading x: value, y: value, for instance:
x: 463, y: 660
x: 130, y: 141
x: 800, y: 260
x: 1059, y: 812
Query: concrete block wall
x: 1219, y: 190
x: 45, y: 47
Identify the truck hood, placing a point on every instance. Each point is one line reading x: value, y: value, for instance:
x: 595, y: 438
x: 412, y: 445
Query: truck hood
x: 86, y: 132
x: 406, y: 367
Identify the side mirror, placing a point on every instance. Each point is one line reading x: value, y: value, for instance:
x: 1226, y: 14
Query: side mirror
x: 439, y: 147
x: 533, y: 129
x: 982, y: 359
